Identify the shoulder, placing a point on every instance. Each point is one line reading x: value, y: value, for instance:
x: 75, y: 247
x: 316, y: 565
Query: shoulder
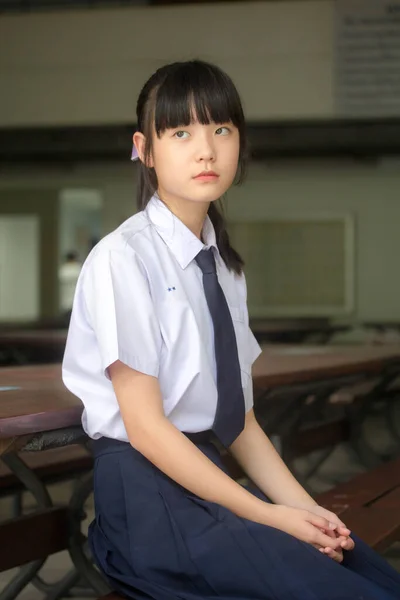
x: 118, y: 257
x: 127, y: 241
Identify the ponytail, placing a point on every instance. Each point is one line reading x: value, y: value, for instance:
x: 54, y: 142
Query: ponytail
x: 231, y: 258
x: 146, y: 185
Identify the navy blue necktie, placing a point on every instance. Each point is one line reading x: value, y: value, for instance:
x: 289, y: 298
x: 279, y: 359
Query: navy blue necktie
x: 230, y: 414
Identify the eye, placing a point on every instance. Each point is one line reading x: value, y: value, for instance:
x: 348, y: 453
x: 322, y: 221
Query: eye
x: 181, y: 135
x: 222, y: 131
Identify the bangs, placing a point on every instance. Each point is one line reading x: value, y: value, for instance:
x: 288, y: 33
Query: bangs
x: 196, y: 91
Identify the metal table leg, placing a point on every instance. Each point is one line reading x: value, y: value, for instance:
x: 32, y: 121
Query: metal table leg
x: 77, y: 544
x: 42, y: 497
x: 83, y: 566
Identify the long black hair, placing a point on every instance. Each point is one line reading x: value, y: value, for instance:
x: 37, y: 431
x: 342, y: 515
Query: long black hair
x: 167, y: 101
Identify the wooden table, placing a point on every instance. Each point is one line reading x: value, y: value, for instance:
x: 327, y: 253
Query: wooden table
x: 34, y: 400
x: 43, y: 413
x: 37, y: 400
x: 287, y: 365
x: 295, y: 330
x: 34, y: 337
x: 30, y: 346
x: 291, y: 374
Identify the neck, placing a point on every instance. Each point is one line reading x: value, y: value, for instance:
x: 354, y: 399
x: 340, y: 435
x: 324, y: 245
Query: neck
x: 192, y: 214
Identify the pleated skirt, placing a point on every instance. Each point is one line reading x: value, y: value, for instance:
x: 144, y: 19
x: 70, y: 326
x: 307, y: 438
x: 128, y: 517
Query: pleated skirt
x: 153, y: 539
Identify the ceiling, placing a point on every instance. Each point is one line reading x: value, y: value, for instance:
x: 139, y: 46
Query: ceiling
x: 43, y: 5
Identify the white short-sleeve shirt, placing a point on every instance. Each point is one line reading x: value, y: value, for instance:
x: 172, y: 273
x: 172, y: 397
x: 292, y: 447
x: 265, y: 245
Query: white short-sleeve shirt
x: 140, y: 300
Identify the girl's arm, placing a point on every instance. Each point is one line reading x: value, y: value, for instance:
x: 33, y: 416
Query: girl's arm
x: 259, y: 459
x: 262, y: 463
x: 151, y: 433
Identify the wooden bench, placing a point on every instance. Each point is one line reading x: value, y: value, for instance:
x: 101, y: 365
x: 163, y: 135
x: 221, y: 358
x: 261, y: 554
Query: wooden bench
x: 369, y: 504
x: 34, y: 536
x: 50, y: 526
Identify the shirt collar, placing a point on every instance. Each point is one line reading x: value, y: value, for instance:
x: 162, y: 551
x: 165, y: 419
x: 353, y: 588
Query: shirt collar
x: 183, y: 244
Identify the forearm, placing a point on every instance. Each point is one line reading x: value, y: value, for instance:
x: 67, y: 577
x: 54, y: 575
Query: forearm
x: 263, y: 465
x: 174, y: 454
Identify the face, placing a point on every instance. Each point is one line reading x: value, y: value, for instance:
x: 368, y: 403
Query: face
x: 197, y: 162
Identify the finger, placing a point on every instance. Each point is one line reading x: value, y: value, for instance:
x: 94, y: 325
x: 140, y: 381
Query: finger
x: 344, y: 531
x: 324, y: 540
x: 341, y: 539
x: 330, y: 532
x: 330, y: 516
x: 347, y: 544
x: 335, y: 519
x: 336, y: 556
x: 320, y: 522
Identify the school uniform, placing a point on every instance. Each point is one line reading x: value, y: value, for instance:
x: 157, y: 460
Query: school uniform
x: 142, y: 298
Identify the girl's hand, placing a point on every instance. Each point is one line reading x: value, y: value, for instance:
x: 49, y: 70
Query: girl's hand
x: 330, y: 516
x: 342, y: 532
x: 337, y: 554
x: 346, y: 543
x: 305, y: 526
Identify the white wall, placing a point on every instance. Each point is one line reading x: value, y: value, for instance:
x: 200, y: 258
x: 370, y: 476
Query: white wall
x: 19, y: 267
x: 82, y: 67
x: 370, y: 193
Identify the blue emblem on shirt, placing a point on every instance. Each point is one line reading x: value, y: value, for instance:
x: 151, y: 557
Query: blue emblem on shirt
x: 170, y: 289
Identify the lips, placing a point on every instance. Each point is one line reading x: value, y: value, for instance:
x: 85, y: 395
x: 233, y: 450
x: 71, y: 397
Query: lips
x: 207, y: 174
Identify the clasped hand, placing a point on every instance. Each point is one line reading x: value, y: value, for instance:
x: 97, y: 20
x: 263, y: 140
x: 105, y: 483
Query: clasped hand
x: 317, y: 526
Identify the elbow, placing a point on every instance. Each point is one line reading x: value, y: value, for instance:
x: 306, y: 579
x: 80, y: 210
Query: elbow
x: 145, y: 436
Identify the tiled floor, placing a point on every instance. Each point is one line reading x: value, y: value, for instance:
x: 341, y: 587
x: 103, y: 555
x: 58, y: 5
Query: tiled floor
x: 340, y: 465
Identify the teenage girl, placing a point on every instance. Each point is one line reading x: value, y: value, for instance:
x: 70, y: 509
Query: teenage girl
x: 160, y: 353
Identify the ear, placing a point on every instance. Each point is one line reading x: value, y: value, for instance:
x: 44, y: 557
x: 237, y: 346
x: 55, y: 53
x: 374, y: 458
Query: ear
x: 140, y: 141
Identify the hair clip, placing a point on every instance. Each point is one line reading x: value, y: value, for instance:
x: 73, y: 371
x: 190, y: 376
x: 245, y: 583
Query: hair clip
x: 135, y: 155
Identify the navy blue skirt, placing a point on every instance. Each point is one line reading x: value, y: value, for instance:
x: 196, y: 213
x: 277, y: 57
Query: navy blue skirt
x: 152, y: 539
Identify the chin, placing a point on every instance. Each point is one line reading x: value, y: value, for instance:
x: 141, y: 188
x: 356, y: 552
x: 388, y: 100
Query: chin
x: 209, y: 198
x: 208, y: 195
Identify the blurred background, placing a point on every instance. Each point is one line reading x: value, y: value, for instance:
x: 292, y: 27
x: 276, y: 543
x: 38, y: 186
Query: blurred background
x: 318, y: 218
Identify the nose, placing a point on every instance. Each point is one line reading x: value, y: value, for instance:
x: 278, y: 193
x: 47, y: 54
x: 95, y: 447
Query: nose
x: 205, y: 150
